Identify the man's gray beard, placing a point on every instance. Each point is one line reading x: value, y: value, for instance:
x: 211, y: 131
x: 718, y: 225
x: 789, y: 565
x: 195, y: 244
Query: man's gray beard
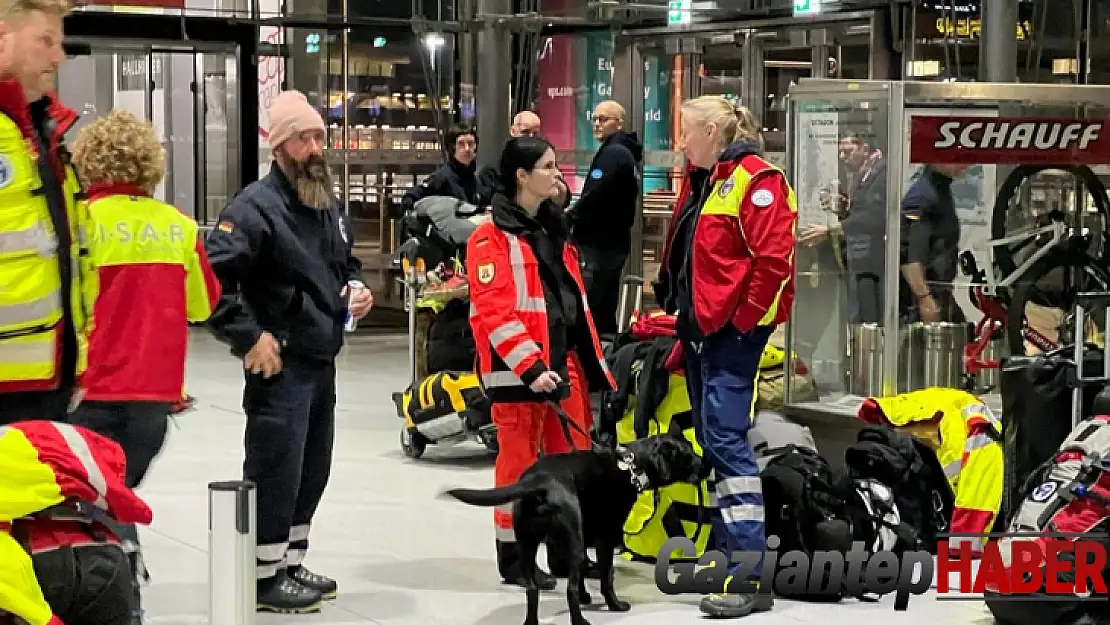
x: 315, y: 192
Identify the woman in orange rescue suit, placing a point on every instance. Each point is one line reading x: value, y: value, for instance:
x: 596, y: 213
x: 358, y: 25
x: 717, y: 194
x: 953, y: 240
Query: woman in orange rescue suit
x: 152, y: 277
x: 535, y: 337
x: 727, y: 270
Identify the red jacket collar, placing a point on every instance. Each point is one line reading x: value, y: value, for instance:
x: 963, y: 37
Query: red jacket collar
x: 104, y: 189
x: 13, y: 103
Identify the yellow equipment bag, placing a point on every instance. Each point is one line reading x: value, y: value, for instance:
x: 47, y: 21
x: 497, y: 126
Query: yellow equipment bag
x: 445, y: 404
x: 675, y: 510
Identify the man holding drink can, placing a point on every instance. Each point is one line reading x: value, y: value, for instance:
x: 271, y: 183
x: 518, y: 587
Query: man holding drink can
x: 282, y: 250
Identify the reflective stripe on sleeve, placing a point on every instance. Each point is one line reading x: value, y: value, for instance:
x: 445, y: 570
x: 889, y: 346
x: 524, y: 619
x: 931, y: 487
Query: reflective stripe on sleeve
x: 506, y: 331
x: 80, y: 450
x: 977, y: 441
x: 501, y: 379
x: 517, y: 355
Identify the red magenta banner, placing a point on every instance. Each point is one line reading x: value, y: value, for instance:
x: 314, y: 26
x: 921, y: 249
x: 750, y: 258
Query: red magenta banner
x: 1009, y: 140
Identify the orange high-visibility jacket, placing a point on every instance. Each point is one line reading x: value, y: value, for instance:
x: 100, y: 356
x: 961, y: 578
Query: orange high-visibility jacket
x: 508, y: 313
x: 152, y: 277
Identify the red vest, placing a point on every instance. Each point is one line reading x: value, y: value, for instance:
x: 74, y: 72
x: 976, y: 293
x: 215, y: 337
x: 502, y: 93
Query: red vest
x: 508, y: 312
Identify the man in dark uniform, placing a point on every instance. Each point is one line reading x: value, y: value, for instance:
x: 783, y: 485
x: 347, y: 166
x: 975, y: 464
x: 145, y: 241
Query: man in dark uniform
x: 602, y: 220
x: 282, y: 251
x: 930, y: 247
x: 864, y: 227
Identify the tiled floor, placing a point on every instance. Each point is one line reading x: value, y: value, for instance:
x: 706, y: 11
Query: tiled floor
x: 401, y: 555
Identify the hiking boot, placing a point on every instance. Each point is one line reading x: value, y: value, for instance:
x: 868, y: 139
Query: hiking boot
x: 508, y: 564
x: 327, y: 586
x: 284, y: 595
x: 736, y: 605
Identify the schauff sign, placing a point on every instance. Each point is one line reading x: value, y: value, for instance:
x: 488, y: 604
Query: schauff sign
x: 1026, y: 564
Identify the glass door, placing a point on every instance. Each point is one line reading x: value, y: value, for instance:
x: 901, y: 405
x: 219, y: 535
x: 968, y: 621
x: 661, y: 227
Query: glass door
x: 189, y: 96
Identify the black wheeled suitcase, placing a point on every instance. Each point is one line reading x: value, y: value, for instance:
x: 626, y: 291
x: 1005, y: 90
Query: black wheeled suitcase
x: 1043, y: 397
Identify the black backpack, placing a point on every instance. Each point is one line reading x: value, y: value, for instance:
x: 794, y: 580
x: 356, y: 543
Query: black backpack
x: 911, y: 470
x: 451, y: 345
x: 808, y: 507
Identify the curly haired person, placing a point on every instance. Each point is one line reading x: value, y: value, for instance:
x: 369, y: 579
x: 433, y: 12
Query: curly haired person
x: 151, y: 278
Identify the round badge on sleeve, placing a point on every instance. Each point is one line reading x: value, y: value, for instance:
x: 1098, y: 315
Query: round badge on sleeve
x: 7, y: 172
x: 763, y: 198
x: 1044, y: 491
x: 596, y: 174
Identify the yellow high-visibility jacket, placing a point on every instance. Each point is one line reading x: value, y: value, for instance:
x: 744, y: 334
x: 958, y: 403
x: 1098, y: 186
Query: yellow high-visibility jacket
x: 968, y: 446
x: 31, y: 298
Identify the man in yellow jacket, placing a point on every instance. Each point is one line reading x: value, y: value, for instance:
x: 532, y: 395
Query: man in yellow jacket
x: 41, y: 313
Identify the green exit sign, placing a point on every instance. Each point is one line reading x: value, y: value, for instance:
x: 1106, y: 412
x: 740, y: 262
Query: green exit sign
x: 678, y: 12
x: 807, y: 7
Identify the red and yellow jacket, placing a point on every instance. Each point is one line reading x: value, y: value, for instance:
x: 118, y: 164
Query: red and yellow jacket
x: 45, y: 464
x: 741, y: 252
x: 967, y: 439
x: 508, y: 312
x: 39, y: 244
x: 152, y: 278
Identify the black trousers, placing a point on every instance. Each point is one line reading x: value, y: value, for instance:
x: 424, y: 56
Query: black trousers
x: 35, y: 405
x: 601, y: 272
x: 289, y: 438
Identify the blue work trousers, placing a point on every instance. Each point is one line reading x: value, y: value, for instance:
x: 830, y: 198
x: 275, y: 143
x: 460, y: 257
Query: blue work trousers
x: 721, y: 373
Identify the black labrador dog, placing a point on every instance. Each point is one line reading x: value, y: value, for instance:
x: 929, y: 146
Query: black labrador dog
x: 581, y: 499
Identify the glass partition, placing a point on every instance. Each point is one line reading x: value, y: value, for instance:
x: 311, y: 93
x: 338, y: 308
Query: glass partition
x: 840, y: 172
x: 942, y: 227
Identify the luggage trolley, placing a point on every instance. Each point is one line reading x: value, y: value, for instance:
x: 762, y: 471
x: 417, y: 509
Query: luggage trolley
x: 444, y: 408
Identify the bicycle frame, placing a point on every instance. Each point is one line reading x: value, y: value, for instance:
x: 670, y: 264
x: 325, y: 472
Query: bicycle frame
x: 1059, y: 232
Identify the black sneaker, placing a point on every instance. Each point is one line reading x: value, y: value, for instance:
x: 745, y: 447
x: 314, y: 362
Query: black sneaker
x: 736, y: 605
x: 327, y: 586
x: 283, y: 595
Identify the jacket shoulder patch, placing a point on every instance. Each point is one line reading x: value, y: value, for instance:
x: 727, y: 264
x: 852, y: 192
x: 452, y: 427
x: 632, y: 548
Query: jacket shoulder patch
x: 7, y: 172
x: 763, y: 198
x: 486, y: 273
x: 596, y: 174
x: 225, y: 226
x: 727, y: 187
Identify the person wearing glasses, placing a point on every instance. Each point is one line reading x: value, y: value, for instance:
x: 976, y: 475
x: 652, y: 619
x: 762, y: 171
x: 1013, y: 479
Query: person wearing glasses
x: 535, y: 339
x: 602, y: 220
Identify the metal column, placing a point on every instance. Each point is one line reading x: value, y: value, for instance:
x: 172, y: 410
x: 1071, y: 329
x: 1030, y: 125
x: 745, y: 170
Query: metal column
x: 628, y: 90
x: 998, y: 41
x: 751, y: 70
x: 821, y: 51
x: 467, y: 58
x: 495, y: 57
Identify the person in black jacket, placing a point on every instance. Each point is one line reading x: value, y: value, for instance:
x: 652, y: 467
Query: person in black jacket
x: 457, y: 178
x: 930, y: 247
x: 282, y: 251
x: 606, y: 211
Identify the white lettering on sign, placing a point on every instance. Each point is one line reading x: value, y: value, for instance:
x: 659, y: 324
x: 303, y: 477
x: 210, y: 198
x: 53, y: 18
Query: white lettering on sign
x: 559, y: 92
x: 1017, y: 136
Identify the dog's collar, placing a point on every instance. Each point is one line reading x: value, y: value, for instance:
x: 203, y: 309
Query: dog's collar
x: 626, y: 461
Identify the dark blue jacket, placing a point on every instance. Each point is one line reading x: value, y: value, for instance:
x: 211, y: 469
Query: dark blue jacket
x: 282, y: 266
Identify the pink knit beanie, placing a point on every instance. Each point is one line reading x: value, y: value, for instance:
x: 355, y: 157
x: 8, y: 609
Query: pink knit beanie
x: 290, y: 114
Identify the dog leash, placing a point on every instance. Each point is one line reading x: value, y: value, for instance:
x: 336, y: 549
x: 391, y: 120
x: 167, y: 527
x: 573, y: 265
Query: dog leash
x: 562, y: 391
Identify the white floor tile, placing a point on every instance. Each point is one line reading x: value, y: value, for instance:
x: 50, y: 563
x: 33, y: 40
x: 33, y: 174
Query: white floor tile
x: 401, y: 555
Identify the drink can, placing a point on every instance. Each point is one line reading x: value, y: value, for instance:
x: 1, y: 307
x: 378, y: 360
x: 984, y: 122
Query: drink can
x: 350, y: 324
